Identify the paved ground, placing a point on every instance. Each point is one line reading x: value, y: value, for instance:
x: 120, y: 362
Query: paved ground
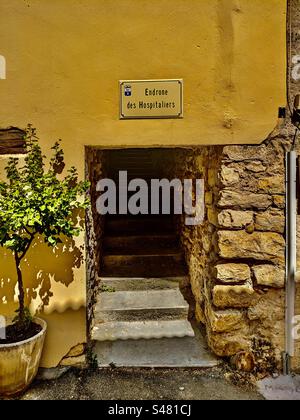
x: 141, y: 384
x: 281, y: 388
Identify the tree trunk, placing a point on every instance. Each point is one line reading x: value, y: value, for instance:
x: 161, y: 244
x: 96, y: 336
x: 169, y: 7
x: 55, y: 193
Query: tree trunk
x: 21, y: 289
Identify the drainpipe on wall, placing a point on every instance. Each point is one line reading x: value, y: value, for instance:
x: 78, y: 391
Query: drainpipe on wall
x: 291, y: 260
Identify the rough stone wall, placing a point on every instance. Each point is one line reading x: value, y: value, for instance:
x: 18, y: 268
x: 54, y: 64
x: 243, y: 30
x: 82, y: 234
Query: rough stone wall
x: 236, y: 258
x: 94, y: 228
x: 250, y: 273
x: 293, y: 89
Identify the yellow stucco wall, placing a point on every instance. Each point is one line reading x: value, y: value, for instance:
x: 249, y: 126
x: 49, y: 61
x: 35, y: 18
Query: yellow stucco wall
x: 64, y: 61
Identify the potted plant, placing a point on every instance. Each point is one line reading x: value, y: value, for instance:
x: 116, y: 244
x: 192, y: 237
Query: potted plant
x: 35, y: 203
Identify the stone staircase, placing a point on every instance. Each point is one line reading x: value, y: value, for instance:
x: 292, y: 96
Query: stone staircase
x: 141, y: 316
x: 140, y: 312
x: 141, y: 247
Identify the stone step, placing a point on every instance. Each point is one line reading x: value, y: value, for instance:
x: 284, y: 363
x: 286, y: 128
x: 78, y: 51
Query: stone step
x: 146, y: 174
x: 138, y: 244
x: 140, y: 306
x: 186, y: 352
x: 140, y: 161
x: 132, y: 168
x: 130, y: 164
x: 139, y: 225
x: 143, y: 265
x: 112, y: 331
x: 129, y: 283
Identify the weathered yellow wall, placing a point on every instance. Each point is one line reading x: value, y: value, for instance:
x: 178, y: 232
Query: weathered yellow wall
x: 64, y: 61
x: 55, y: 288
x: 65, y: 58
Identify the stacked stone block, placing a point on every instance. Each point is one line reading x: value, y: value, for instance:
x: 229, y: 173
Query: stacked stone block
x: 236, y: 258
x: 94, y: 227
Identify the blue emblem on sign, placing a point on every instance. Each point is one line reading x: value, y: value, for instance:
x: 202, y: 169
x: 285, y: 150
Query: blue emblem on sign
x: 127, y: 90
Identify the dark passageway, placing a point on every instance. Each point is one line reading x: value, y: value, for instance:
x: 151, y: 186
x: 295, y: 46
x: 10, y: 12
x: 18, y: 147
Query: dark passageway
x: 140, y: 245
x: 141, y: 317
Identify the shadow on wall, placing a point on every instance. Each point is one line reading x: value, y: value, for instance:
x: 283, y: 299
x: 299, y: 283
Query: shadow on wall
x: 42, y: 268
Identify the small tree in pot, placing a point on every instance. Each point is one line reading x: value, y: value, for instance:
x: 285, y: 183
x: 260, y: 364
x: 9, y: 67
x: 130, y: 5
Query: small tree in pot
x: 36, y: 202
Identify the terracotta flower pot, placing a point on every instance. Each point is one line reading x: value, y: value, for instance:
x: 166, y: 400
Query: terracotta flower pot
x: 19, y: 362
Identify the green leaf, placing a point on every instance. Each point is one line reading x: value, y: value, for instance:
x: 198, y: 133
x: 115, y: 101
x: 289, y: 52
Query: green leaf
x: 10, y: 243
x: 34, y: 201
